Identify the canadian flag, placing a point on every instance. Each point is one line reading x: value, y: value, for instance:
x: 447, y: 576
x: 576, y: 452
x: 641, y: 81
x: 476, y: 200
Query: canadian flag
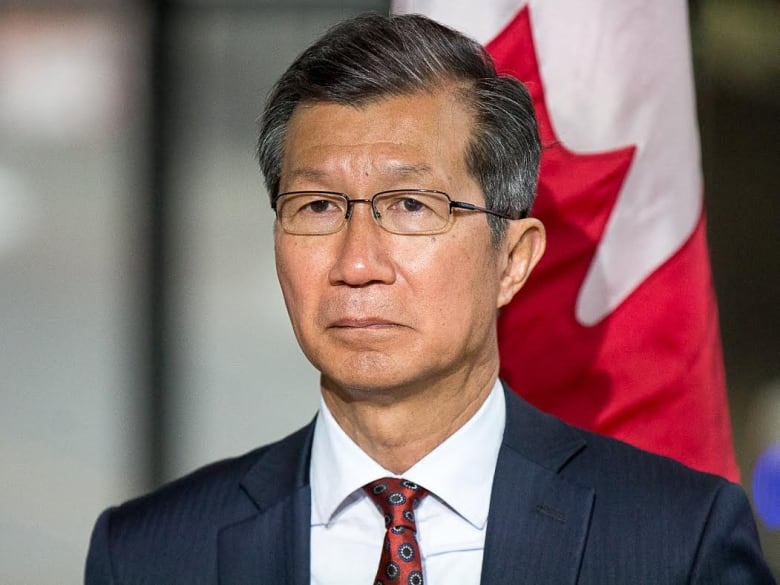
x: 617, y: 330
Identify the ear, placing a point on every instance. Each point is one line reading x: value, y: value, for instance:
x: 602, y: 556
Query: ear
x: 523, y: 247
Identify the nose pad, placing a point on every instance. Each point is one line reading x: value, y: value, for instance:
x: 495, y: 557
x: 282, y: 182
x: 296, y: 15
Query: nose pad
x: 351, y: 206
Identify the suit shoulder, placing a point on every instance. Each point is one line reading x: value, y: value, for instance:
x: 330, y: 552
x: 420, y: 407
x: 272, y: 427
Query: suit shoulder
x: 208, y: 483
x: 699, y: 519
x: 592, y: 459
x: 651, y: 488
x: 170, y: 534
x: 617, y: 461
x: 211, y: 495
x: 163, y: 536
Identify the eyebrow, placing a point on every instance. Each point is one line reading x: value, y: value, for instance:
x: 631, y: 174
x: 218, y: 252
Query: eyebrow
x: 307, y: 173
x: 405, y: 170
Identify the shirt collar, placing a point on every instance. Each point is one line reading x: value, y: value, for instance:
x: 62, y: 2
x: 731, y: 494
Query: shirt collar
x: 459, y: 471
x: 338, y: 468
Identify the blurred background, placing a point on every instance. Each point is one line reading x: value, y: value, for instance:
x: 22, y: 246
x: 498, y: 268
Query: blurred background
x: 142, y: 332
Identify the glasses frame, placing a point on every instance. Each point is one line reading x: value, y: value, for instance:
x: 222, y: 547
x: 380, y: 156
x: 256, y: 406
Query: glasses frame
x: 377, y: 216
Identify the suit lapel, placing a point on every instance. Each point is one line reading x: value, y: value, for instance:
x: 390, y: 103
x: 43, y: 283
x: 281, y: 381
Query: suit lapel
x: 272, y: 546
x: 538, y: 521
x: 537, y: 524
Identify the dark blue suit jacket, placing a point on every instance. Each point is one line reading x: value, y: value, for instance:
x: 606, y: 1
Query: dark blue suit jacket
x: 567, y: 507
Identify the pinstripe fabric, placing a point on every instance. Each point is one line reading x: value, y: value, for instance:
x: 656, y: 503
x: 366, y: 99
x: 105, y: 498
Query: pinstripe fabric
x: 567, y: 507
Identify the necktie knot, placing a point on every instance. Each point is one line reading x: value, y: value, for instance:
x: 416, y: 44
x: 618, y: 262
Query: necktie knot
x: 400, y: 562
x: 396, y: 498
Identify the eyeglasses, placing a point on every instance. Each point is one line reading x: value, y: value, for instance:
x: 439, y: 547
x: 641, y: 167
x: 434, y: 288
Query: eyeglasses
x: 400, y: 211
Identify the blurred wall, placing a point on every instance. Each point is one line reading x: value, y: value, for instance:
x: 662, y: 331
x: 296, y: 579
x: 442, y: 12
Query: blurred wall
x: 91, y: 100
x: 737, y: 62
x: 72, y: 438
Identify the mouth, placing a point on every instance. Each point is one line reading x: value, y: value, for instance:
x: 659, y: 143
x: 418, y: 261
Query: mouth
x: 367, y: 323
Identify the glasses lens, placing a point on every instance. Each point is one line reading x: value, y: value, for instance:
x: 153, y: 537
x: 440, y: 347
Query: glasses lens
x: 311, y: 213
x: 412, y: 212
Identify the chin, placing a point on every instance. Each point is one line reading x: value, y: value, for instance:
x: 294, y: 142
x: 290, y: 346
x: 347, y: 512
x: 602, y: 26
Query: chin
x: 359, y: 383
x: 377, y: 384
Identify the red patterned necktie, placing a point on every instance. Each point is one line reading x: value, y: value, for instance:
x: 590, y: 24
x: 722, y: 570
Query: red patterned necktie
x: 400, y: 563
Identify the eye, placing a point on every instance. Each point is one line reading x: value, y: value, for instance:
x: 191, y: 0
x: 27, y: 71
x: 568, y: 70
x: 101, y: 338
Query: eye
x: 311, y: 212
x: 314, y: 204
x: 319, y: 206
x: 405, y: 203
x: 411, y: 205
x: 413, y: 211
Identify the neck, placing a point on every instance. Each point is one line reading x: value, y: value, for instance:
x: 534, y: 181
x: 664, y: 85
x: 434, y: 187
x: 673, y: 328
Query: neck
x: 399, y: 426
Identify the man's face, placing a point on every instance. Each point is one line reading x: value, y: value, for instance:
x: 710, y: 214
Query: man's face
x: 375, y: 311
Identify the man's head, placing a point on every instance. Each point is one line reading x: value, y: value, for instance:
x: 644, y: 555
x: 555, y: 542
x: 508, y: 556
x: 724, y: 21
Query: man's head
x: 374, y: 57
x: 386, y: 104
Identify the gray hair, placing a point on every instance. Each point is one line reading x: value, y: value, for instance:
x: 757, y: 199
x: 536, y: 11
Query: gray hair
x: 375, y: 56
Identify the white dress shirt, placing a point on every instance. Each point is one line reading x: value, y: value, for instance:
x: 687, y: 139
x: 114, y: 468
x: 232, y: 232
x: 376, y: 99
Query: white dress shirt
x: 347, y: 531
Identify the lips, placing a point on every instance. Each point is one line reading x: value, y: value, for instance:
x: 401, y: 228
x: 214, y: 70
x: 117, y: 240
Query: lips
x: 362, y: 323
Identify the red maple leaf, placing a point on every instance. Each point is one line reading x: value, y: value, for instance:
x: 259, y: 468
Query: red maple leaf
x: 651, y: 372
x: 575, y: 198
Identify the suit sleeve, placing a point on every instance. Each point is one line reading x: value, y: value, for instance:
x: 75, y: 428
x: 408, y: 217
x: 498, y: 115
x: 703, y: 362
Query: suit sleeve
x: 729, y: 551
x: 98, y: 570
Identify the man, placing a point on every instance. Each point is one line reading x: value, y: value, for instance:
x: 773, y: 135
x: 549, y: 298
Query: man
x: 402, y: 170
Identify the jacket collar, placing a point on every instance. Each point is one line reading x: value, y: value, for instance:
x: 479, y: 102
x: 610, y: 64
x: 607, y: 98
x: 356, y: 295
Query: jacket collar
x: 539, y: 437
x: 272, y: 546
x: 538, y: 520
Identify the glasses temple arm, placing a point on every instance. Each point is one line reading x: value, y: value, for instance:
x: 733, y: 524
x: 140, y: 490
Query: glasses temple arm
x: 472, y: 207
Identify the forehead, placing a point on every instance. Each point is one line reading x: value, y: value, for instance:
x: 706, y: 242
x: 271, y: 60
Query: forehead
x: 422, y: 134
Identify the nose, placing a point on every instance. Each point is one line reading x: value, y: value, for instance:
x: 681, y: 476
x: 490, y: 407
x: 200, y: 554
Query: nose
x: 362, y: 255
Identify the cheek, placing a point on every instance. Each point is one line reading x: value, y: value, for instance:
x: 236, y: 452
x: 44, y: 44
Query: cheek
x: 296, y: 270
x: 458, y: 283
